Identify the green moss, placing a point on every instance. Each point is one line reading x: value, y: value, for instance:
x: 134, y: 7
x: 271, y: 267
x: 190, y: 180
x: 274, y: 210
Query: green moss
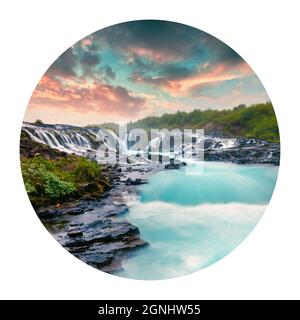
x: 50, y: 181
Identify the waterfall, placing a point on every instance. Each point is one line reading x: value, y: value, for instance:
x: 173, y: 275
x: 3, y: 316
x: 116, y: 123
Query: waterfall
x: 64, y: 138
x: 88, y: 141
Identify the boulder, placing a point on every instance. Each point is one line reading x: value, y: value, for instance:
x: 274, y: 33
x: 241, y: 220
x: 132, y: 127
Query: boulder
x: 75, y: 233
x: 172, y: 166
x: 135, y: 182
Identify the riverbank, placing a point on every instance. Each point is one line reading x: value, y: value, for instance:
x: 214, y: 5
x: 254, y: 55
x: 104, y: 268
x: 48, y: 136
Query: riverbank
x: 97, y: 231
x: 89, y: 220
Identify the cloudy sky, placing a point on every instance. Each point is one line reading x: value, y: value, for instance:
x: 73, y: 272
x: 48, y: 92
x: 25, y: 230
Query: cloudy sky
x: 141, y: 68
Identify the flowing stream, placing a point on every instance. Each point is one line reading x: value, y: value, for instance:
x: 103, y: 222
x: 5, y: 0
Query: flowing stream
x: 192, y: 220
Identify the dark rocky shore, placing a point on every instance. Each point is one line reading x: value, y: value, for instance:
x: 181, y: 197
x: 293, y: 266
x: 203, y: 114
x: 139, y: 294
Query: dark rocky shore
x: 246, y: 151
x: 95, y: 230
x: 91, y: 224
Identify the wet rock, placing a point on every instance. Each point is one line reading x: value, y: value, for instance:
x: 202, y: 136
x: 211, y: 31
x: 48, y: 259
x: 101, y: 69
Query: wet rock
x: 208, y: 143
x: 247, y: 151
x: 135, y: 182
x: 90, y: 197
x: 73, y: 224
x: 91, y: 187
x: 73, y: 211
x: 76, y: 243
x: 46, y: 213
x: 77, y: 250
x: 74, y: 233
x: 107, y: 231
x: 218, y: 144
x: 172, y: 166
x: 138, y: 243
x: 124, y: 229
x: 113, y: 267
x: 98, y: 260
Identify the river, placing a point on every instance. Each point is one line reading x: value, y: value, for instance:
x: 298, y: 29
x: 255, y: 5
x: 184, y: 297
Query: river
x: 193, y: 218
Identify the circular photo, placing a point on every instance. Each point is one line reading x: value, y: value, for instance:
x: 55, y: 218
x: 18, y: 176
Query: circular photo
x: 149, y: 150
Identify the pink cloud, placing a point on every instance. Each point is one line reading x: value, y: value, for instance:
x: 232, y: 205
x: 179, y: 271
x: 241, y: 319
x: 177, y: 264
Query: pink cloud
x: 86, y: 42
x: 83, y: 97
x: 157, y: 56
x: 207, y: 75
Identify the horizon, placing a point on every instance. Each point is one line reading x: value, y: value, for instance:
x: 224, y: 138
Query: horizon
x: 138, y: 69
x: 123, y: 123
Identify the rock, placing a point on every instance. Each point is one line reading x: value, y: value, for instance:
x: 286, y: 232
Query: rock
x: 208, y: 143
x: 99, y: 260
x: 73, y: 224
x: 124, y: 230
x: 75, y: 233
x: 247, y: 151
x: 102, y: 243
x: 76, y: 243
x: 113, y: 267
x: 48, y: 212
x: 135, y: 182
x: 92, y: 187
x: 107, y: 231
x: 77, y: 250
x: 172, y: 166
x: 90, y: 197
x: 73, y: 211
x: 218, y: 144
x: 138, y: 243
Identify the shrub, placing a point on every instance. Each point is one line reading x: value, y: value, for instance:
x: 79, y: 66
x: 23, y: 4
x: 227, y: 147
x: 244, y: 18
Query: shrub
x: 51, y: 180
x: 38, y: 122
x: 56, y: 188
x: 87, y: 171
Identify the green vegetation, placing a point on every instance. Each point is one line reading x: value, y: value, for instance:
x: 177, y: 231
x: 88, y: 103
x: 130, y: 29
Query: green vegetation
x: 51, y: 181
x: 38, y: 122
x: 256, y: 121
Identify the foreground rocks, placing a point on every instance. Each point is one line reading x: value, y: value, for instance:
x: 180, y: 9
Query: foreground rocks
x: 95, y: 230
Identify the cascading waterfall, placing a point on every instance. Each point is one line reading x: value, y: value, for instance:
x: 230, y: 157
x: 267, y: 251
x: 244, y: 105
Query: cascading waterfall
x: 67, y: 138
x: 88, y: 142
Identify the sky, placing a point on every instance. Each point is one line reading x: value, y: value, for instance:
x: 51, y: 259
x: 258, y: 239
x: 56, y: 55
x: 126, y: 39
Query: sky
x: 142, y: 68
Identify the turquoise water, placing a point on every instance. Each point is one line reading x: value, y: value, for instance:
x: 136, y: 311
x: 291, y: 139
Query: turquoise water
x: 193, y: 217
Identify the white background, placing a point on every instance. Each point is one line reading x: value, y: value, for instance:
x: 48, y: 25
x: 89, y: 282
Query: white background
x: 34, y: 34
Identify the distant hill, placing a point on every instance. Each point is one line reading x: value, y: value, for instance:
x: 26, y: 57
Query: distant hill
x: 255, y: 121
x: 107, y: 125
